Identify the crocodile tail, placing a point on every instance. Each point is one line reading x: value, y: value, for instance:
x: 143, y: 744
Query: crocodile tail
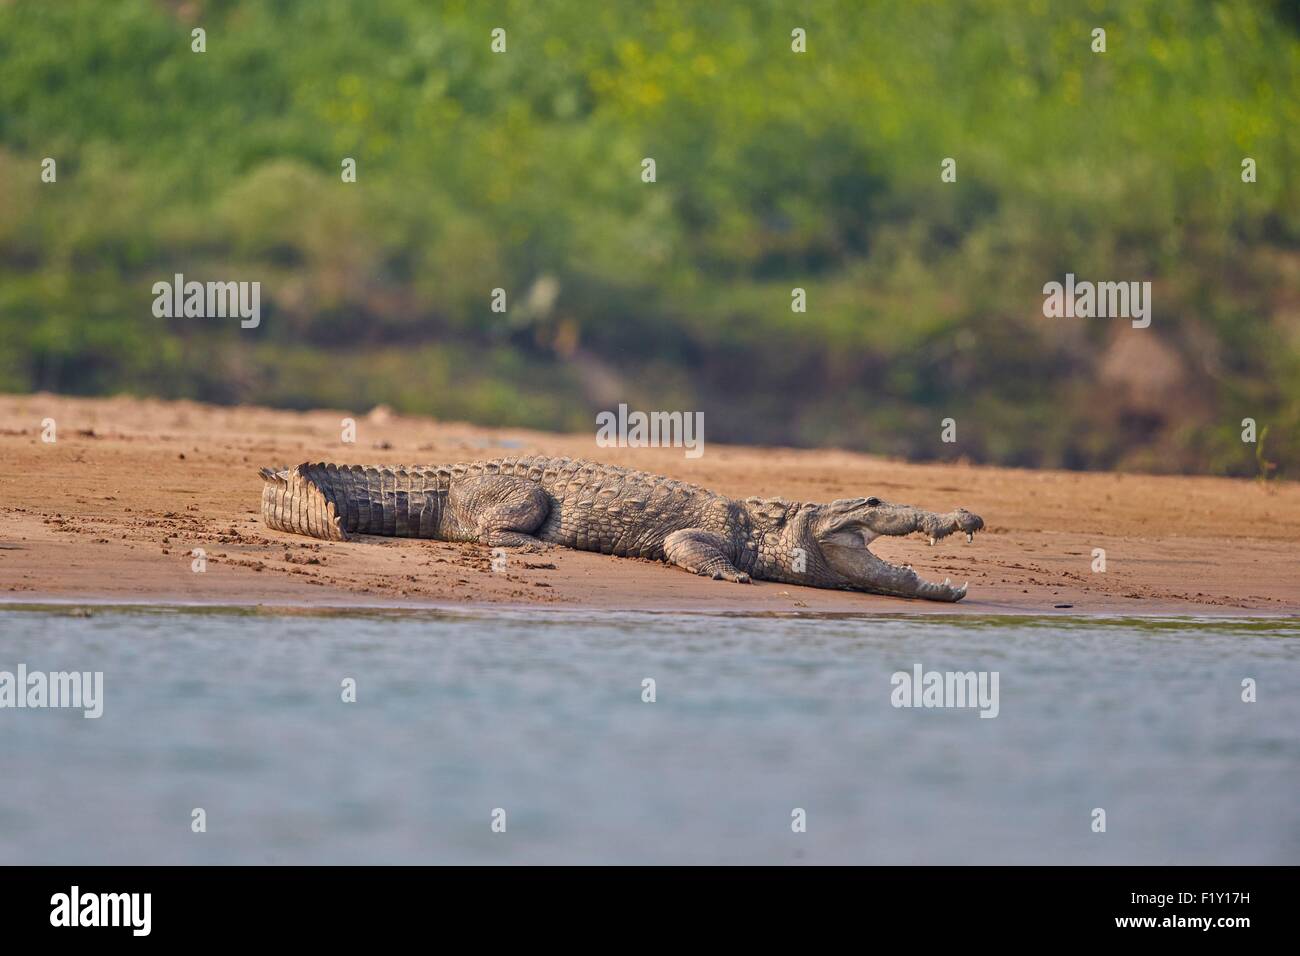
x: 294, y: 500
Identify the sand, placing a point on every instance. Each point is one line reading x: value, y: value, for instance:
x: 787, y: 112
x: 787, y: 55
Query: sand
x: 114, y: 508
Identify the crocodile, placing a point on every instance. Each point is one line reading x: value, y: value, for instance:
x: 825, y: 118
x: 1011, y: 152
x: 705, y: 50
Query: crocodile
x: 535, y: 502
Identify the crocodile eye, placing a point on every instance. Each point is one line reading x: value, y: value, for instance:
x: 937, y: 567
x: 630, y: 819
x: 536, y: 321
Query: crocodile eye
x: 872, y: 502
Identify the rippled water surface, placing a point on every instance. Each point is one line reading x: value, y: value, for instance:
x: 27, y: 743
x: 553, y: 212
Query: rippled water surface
x: 541, y: 714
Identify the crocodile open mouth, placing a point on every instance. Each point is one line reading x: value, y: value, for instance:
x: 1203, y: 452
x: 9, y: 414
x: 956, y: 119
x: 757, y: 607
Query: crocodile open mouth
x: 849, y: 553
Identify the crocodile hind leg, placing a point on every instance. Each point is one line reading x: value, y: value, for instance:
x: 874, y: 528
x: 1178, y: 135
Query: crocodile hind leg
x: 501, y: 511
x: 702, y: 552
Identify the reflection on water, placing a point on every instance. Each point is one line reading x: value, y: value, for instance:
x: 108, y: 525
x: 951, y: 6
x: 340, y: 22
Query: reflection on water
x: 541, y: 714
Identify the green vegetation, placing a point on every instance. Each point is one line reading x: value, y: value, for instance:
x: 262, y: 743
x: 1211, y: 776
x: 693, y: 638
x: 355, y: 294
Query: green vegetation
x: 775, y: 170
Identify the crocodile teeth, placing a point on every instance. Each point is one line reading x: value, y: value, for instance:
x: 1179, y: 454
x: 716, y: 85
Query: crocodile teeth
x: 947, y: 582
x: 970, y: 536
x: 932, y: 541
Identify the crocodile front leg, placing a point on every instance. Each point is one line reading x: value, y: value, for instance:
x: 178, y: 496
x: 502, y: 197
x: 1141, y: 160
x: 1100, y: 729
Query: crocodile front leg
x: 702, y: 552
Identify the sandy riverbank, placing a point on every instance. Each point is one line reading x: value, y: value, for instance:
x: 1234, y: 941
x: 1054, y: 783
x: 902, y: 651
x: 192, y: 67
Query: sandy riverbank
x: 114, y: 507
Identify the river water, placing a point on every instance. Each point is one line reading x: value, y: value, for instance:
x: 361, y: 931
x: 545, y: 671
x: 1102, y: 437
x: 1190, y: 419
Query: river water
x: 542, y: 715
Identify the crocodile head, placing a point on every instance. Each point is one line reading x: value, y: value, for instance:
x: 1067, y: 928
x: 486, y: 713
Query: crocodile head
x: 835, y: 542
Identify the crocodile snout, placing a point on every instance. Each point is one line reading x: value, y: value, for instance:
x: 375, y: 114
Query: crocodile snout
x: 969, y: 523
x: 940, y: 526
